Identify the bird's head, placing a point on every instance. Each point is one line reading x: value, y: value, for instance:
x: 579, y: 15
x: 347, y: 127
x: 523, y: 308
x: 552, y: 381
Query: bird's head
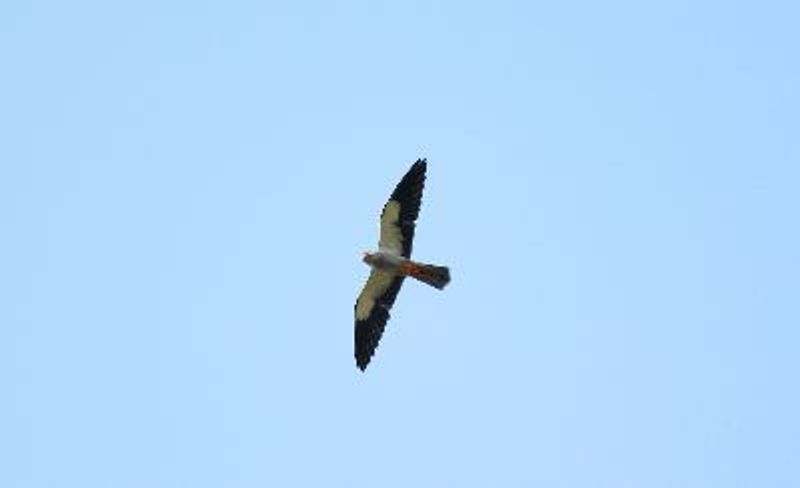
x: 367, y: 257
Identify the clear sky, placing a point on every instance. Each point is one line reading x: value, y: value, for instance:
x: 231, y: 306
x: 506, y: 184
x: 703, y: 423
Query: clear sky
x: 185, y: 188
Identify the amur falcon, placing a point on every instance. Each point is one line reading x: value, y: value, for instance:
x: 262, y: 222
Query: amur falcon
x: 391, y: 264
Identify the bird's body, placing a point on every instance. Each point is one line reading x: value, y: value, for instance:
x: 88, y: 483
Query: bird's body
x: 391, y: 264
x: 385, y: 260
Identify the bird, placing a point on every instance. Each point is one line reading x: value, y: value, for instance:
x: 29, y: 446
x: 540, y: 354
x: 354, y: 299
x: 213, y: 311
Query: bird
x: 392, y: 263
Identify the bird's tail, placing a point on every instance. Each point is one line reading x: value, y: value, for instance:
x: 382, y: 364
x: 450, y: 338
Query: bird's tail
x: 436, y: 276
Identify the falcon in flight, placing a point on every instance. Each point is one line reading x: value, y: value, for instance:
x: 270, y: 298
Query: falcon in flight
x: 391, y: 263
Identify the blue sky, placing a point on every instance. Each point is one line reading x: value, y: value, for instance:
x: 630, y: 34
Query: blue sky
x: 185, y: 189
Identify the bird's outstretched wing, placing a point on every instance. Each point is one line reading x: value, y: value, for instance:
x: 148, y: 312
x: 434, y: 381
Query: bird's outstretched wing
x: 402, y: 210
x: 397, y: 234
x: 372, y: 312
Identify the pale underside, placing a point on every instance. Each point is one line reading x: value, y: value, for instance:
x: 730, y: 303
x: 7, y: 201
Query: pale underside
x: 391, y: 242
x: 378, y: 282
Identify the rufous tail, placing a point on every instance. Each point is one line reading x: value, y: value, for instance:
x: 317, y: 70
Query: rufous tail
x: 436, y: 276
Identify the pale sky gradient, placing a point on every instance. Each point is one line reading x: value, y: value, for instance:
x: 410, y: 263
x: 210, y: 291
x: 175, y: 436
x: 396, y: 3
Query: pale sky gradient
x: 185, y: 188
